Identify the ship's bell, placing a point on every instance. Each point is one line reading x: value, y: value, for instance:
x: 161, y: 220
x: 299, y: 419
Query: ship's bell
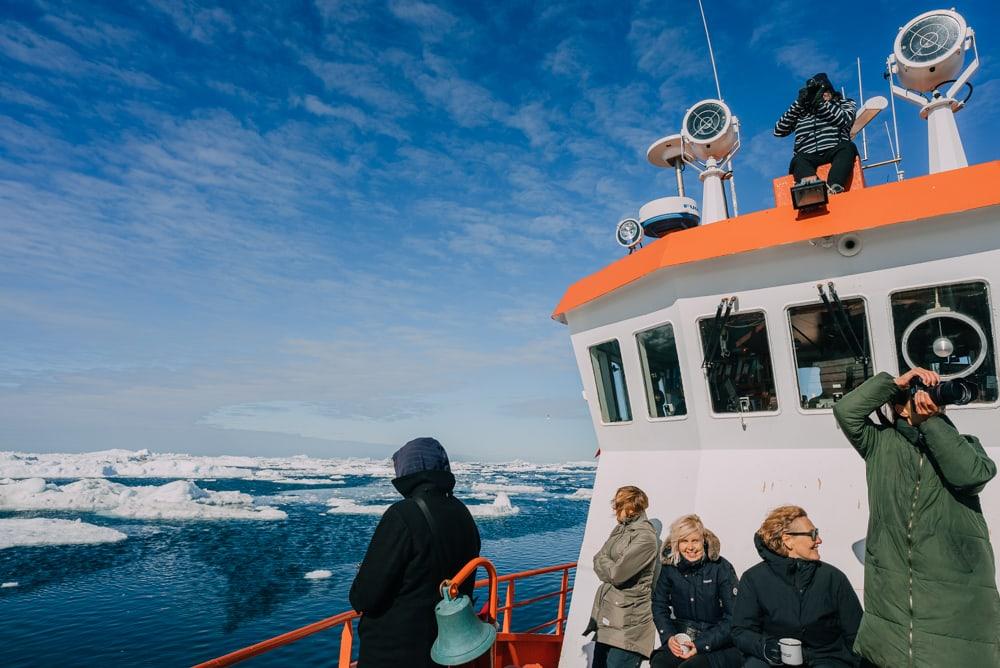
x: 461, y: 635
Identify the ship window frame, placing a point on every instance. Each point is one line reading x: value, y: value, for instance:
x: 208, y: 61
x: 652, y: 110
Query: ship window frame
x: 994, y: 330
x: 598, y: 387
x: 642, y: 369
x: 707, y: 384
x: 795, y: 363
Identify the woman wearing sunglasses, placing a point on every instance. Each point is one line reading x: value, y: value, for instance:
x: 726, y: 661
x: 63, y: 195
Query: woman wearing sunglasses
x: 792, y: 594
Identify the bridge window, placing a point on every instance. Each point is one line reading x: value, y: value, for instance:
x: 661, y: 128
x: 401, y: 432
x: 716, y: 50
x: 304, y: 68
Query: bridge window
x: 948, y: 329
x: 612, y: 392
x: 661, y: 372
x: 832, y: 350
x: 738, y: 363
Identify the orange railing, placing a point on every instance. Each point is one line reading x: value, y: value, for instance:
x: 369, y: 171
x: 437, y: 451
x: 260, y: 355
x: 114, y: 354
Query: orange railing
x: 492, y: 610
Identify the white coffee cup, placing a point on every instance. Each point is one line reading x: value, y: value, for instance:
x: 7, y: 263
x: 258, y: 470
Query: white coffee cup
x: 791, y: 651
x: 684, y: 640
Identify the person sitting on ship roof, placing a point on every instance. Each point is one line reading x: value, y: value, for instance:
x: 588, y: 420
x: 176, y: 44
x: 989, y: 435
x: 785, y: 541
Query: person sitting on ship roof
x: 627, y: 566
x: 821, y: 119
x: 793, y: 596
x: 930, y: 581
x: 420, y: 541
x: 693, y: 600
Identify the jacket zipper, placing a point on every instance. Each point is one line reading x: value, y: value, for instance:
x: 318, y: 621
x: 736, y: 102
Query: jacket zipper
x: 909, y: 554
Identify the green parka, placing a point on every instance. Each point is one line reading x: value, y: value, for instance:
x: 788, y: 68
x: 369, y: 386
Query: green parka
x: 627, y: 566
x: 930, y: 589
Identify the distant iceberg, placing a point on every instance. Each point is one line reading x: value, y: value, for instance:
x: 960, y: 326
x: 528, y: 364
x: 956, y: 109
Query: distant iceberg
x: 37, y: 531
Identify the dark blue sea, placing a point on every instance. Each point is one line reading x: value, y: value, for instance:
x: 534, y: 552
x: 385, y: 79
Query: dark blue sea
x: 178, y: 592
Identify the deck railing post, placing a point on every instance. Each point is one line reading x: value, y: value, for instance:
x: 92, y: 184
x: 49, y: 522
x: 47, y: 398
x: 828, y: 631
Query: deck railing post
x: 346, y: 645
x: 561, y: 617
x: 508, y: 607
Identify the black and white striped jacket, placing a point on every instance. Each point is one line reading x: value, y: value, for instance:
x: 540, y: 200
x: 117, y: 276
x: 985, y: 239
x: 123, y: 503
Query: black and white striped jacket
x: 829, y: 125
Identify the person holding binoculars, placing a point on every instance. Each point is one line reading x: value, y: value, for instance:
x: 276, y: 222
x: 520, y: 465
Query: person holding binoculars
x: 930, y: 587
x: 821, y: 119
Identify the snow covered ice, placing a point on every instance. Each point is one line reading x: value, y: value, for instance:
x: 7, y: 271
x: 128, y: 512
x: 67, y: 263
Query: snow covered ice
x: 37, y: 531
x: 177, y: 500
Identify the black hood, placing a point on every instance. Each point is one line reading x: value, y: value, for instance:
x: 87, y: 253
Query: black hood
x: 824, y: 81
x: 442, y: 482
x: 797, y: 572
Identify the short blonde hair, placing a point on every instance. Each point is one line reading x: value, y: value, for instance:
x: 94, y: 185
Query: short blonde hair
x: 776, y: 524
x: 683, y: 527
x: 629, y: 501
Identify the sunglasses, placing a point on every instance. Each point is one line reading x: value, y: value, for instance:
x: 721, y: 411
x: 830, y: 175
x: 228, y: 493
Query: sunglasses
x: 814, y: 534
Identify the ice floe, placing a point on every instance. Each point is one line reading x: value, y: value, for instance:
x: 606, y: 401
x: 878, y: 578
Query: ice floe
x: 501, y: 507
x: 581, y: 495
x: 489, y: 487
x: 145, y: 464
x: 180, y: 499
x: 38, y: 531
x: 318, y: 575
x: 339, y: 506
x: 8, y: 585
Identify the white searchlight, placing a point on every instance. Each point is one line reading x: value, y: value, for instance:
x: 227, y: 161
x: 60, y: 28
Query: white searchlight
x: 711, y: 136
x: 928, y: 53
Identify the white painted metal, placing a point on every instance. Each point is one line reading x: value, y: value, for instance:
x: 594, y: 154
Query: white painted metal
x: 713, y: 195
x: 731, y: 476
x: 944, y: 145
x: 867, y: 113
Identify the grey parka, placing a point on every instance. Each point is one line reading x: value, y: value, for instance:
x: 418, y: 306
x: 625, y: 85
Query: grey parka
x: 627, y: 566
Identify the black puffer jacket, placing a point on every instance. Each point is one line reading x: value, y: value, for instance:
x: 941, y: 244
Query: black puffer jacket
x: 701, y: 595
x: 396, y: 585
x: 794, y: 598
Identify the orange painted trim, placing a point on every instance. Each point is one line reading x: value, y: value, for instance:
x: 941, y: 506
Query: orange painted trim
x: 864, y: 209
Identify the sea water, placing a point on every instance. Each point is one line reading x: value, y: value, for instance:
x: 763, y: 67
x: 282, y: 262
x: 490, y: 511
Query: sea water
x: 178, y: 591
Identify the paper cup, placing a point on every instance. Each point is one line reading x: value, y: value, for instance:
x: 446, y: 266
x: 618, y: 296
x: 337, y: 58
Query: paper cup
x: 791, y: 651
x: 684, y: 640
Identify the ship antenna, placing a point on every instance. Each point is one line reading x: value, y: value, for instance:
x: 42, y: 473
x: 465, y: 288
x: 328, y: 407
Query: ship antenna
x: 718, y: 91
x: 861, y: 101
x: 711, y: 54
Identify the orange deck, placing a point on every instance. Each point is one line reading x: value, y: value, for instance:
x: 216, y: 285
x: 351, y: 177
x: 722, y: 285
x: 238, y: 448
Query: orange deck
x: 862, y: 209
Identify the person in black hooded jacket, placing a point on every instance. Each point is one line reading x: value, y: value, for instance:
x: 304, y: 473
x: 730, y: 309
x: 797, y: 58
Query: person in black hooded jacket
x: 396, y: 587
x: 693, y: 600
x: 792, y: 594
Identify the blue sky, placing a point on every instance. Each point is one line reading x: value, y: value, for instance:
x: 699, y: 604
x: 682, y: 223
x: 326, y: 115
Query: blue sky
x: 326, y: 227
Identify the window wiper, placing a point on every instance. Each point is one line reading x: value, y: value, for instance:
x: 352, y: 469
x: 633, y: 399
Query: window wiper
x: 722, y: 315
x: 838, y: 313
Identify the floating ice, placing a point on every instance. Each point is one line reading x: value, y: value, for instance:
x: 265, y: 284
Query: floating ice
x: 340, y: 506
x: 581, y: 495
x: 501, y: 507
x: 7, y: 585
x: 37, y: 531
x: 180, y: 499
x: 318, y: 575
x: 507, y: 489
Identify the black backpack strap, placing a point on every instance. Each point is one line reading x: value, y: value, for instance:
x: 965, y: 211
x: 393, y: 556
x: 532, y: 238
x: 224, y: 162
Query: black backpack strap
x: 435, y: 542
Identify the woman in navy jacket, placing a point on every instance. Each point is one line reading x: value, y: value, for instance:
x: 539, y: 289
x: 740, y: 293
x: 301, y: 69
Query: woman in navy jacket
x: 698, y: 587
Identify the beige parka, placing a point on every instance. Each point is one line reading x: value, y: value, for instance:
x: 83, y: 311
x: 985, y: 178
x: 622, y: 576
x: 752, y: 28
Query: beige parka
x: 627, y: 566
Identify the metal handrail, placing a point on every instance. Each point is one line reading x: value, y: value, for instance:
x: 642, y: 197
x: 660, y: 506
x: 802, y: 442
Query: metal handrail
x: 347, y: 618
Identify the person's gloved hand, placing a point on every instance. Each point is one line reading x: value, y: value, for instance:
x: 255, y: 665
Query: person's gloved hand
x: 772, y: 651
x: 805, y: 95
x: 817, y: 99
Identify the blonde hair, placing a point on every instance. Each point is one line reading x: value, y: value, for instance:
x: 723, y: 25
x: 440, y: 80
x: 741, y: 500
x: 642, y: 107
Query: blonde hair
x: 683, y: 527
x: 629, y: 501
x: 776, y: 524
